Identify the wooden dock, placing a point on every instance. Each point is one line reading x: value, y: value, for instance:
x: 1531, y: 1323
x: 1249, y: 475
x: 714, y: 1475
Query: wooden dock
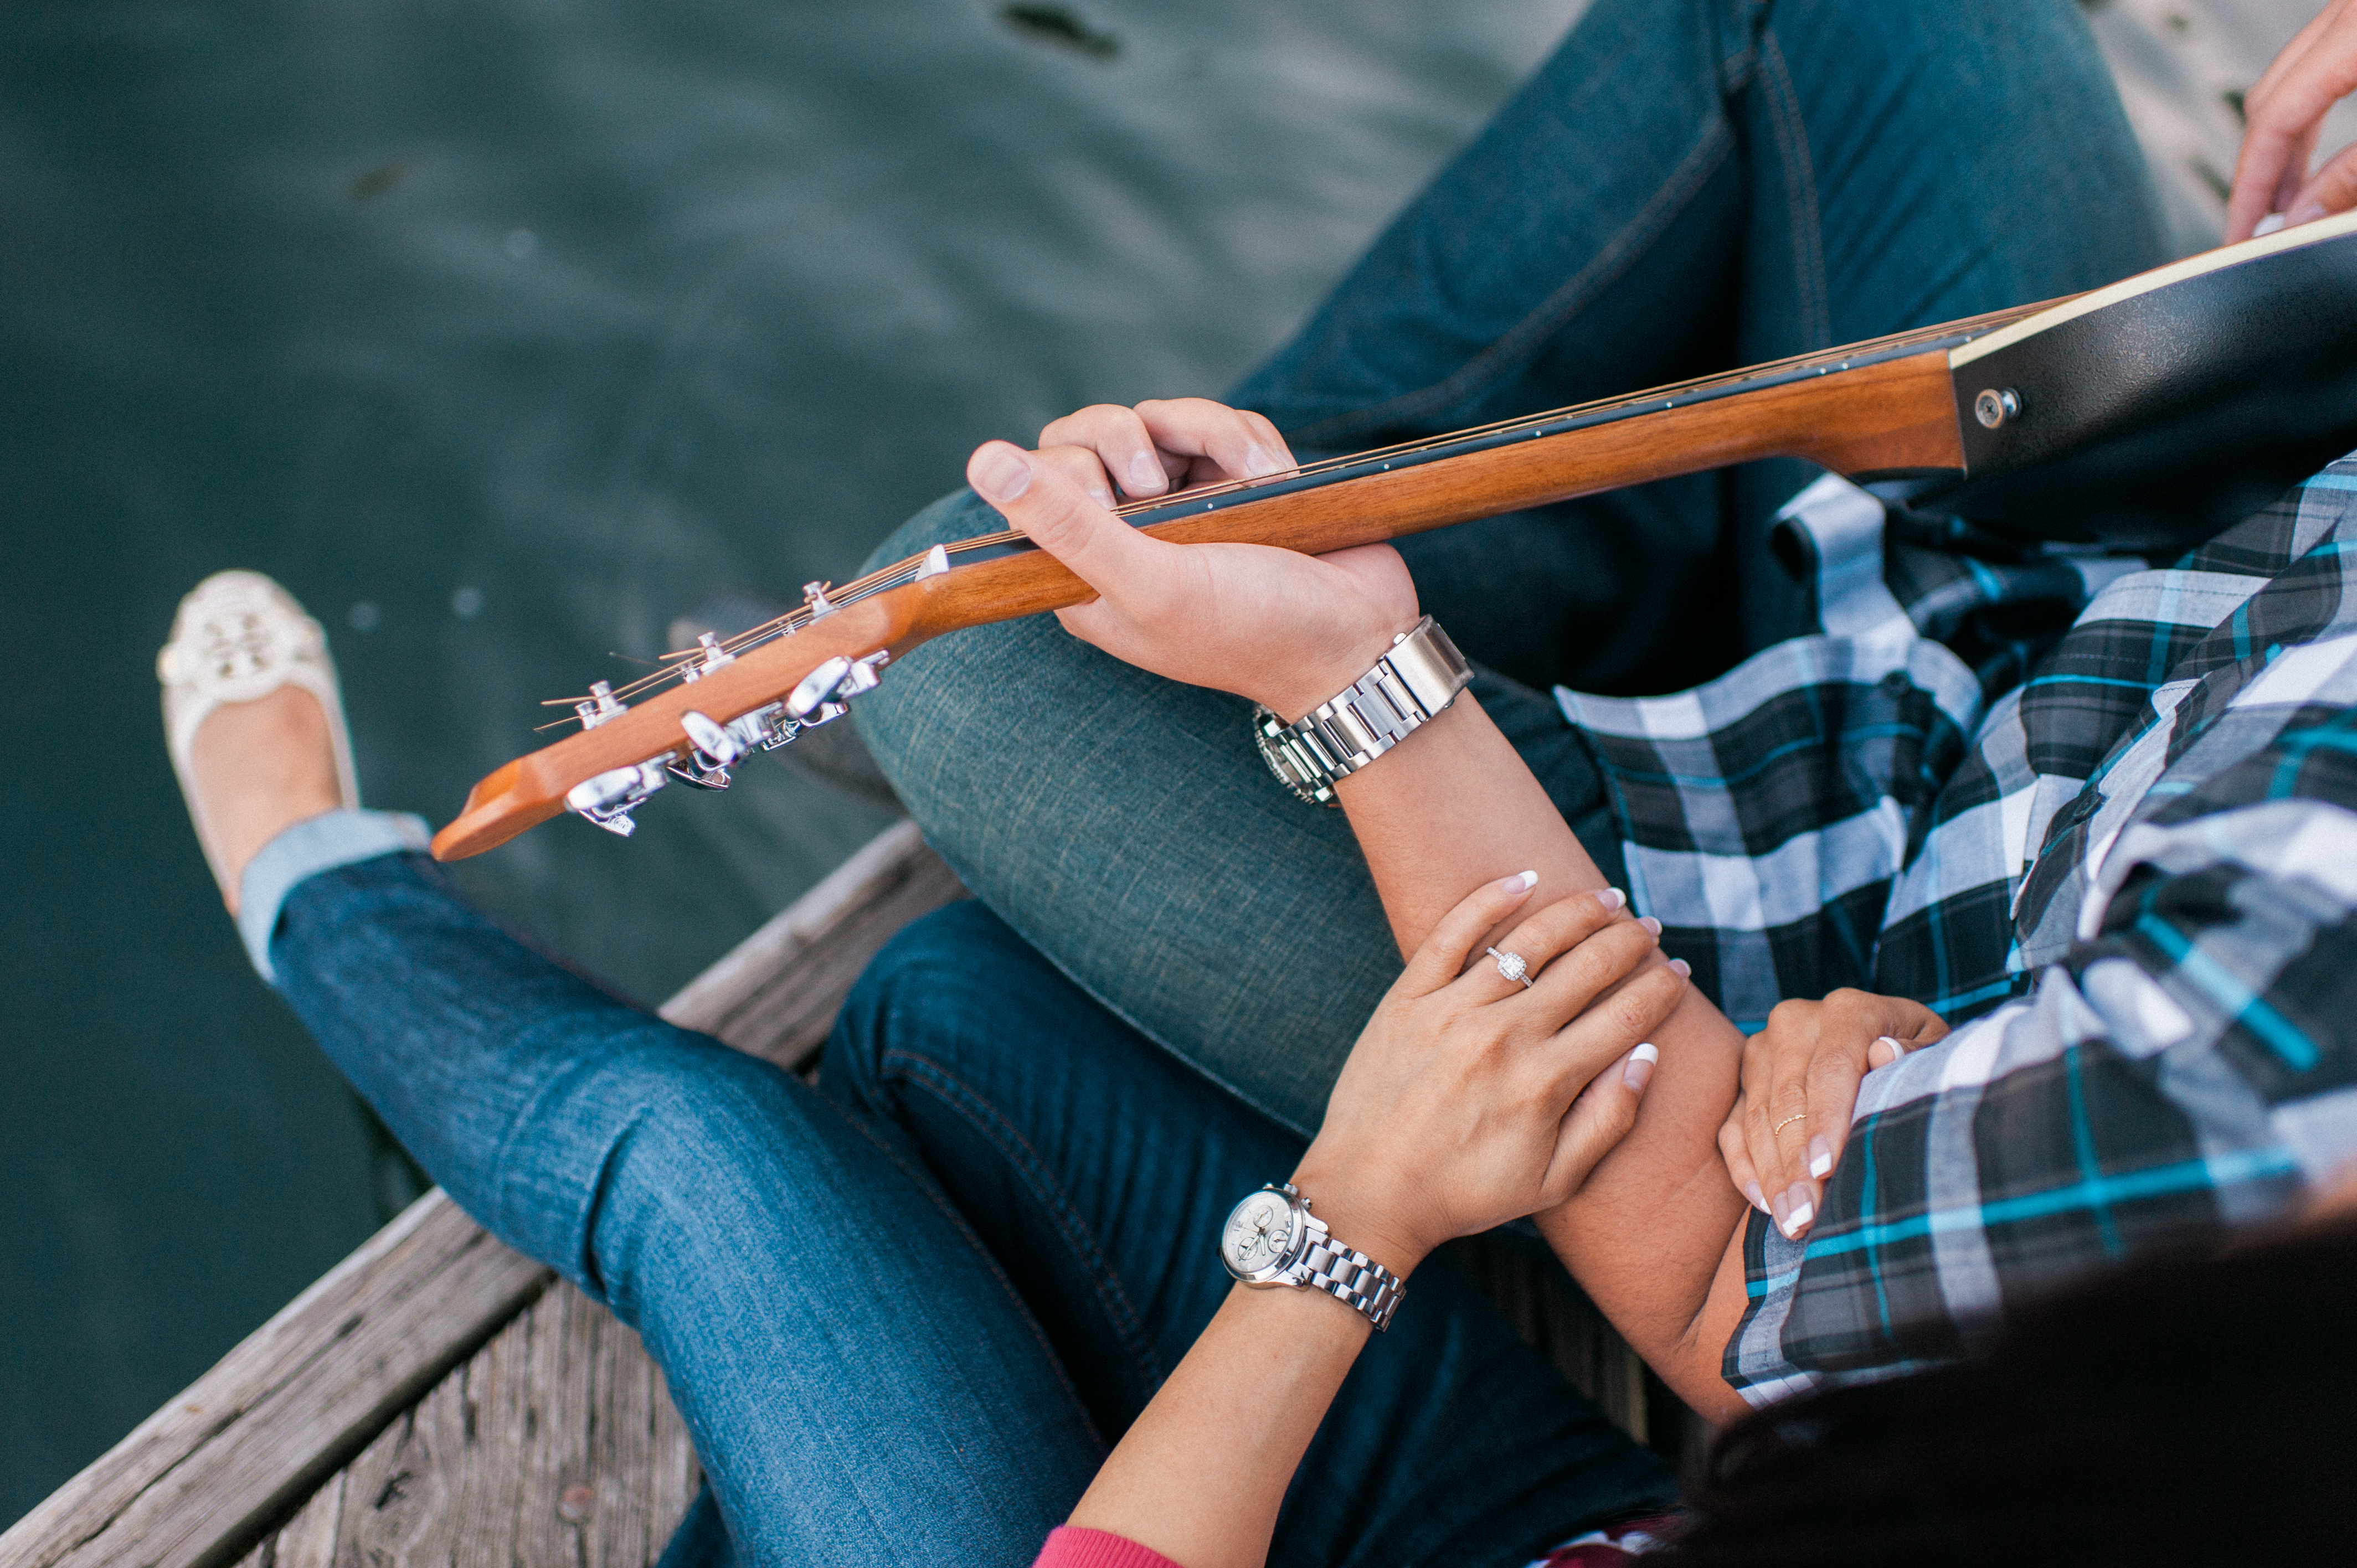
x: 440, y: 1400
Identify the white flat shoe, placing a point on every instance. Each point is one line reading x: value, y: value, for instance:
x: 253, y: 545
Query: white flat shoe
x: 238, y: 638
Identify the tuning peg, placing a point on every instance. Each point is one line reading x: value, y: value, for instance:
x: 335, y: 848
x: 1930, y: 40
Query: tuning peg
x: 608, y: 799
x: 714, y: 657
x: 717, y: 746
x: 825, y: 694
x: 602, y: 706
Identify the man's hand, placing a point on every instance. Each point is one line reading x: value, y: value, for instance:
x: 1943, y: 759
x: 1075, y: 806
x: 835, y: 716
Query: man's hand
x: 1800, y: 1084
x: 1282, y: 629
x: 1470, y: 1098
x: 2282, y: 114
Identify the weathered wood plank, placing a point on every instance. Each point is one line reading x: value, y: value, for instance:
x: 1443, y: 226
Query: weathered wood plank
x: 198, y: 1479
x: 555, y: 1446
x: 197, y: 1482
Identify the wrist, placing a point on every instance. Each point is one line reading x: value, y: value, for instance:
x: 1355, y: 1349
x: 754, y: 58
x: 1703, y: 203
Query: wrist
x: 1327, y: 669
x: 1358, y: 1216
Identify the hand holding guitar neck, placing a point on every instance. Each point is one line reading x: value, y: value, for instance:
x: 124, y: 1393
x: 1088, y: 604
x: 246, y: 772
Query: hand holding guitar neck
x: 1283, y: 628
x: 2145, y: 415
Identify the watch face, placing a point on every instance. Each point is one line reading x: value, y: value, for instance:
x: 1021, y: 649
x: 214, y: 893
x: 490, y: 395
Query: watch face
x: 1258, y: 1235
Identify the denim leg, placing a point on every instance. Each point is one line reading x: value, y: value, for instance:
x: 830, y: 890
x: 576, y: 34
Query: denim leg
x: 862, y: 1383
x: 1099, y: 1170
x: 1684, y: 187
x: 1687, y: 185
x: 1127, y: 827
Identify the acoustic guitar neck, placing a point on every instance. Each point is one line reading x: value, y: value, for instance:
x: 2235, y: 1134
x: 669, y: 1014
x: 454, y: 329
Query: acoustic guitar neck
x: 1884, y: 408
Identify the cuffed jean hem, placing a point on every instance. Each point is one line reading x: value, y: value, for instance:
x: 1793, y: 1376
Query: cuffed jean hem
x: 340, y: 837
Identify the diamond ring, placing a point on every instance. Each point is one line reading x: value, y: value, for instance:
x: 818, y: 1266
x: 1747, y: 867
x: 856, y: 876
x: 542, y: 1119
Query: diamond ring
x: 1511, y: 966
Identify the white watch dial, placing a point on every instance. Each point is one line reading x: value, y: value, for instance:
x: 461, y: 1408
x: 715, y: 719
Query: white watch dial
x: 1259, y: 1233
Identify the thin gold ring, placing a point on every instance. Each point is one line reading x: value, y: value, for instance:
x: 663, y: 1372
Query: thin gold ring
x: 1787, y: 1122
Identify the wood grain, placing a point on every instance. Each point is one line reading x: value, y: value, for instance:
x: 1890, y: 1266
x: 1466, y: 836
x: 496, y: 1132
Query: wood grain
x: 555, y: 1444
x: 1897, y: 416
x: 234, y: 1454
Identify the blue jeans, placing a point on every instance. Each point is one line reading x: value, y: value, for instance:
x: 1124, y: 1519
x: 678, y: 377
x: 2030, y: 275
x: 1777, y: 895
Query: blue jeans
x: 1686, y: 186
x: 903, y: 1313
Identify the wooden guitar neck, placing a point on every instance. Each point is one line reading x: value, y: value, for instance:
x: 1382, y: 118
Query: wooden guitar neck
x: 1896, y: 415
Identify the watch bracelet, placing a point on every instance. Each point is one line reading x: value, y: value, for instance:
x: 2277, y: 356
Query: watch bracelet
x: 1418, y: 677
x: 1353, y: 1278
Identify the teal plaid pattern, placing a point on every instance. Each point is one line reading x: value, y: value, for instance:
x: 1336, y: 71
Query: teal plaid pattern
x: 2099, y: 813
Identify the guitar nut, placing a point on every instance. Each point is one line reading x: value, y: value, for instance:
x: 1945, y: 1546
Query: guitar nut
x: 1993, y: 407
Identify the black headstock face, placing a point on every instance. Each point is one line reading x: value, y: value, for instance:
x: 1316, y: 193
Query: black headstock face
x: 2151, y: 416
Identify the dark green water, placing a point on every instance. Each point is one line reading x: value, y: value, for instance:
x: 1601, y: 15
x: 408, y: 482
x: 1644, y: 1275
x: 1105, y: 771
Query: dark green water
x: 501, y: 332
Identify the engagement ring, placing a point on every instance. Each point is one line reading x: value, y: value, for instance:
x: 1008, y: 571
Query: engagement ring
x: 1511, y: 966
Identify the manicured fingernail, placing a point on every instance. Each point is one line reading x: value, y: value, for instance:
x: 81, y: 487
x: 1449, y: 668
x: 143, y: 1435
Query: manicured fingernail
x: 1640, y: 1067
x: 1520, y: 882
x: 1896, y: 1048
x: 2267, y: 225
x: 1145, y: 475
x: 1779, y: 1207
x: 1800, y: 1207
x: 2305, y: 212
x: 1260, y: 461
x: 1758, y: 1200
x: 1650, y: 923
x: 1002, y: 473
x: 1682, y: 966
x: 1820, y: 1157
x: 1612, y: 897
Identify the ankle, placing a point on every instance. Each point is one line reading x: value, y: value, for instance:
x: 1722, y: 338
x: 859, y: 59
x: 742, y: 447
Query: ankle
x: 258, y: 768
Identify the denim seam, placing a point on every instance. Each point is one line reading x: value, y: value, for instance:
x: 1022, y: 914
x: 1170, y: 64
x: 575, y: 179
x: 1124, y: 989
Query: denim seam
x: 1018, y: 1152
x: 1782, y: 98
x: 1519, y: 342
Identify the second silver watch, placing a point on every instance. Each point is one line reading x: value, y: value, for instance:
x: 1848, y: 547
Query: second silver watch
x: 1416, y: 679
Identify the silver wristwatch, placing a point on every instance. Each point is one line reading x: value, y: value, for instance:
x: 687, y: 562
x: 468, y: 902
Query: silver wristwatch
x: 1420, y: 675
x: 1272, y: 1238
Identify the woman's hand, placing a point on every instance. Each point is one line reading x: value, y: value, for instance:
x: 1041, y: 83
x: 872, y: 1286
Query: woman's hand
x: 2282, y: 114
x: 1472, y: 1099
x: 1800, y: 1084
x: 1280, y: 627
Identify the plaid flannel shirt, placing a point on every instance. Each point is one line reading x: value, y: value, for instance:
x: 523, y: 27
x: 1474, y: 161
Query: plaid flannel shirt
x: 2101, y: 816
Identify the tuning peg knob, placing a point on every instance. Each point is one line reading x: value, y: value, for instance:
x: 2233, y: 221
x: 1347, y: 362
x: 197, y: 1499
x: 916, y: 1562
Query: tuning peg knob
x: 608, y: 799
x: 824, y: 693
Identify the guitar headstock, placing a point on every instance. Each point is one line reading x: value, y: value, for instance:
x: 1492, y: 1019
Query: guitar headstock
x: 693, y: 721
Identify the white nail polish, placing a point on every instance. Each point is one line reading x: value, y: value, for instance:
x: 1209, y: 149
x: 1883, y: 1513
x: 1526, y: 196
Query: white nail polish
x: 1682, y: 966
x: 1650, y: 923
x: 1758, y: 1200
x: 1822, y: 1166
x: 1798, y: 1220
x: 1521, y: 881
x: 1612, y: 897
x: 1646, y: 1053
x: 2268, y: 225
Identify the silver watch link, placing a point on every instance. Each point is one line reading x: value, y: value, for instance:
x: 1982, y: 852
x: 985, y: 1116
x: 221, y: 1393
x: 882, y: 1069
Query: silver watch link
x: 1418, y: 678
x: 1271, y: 1239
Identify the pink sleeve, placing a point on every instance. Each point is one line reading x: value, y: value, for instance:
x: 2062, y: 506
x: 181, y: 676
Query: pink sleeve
x: 1071, y: 1548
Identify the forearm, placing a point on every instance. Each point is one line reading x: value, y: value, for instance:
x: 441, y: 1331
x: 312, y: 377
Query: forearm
x: 1201, y: 1475
x: 1454, y: 806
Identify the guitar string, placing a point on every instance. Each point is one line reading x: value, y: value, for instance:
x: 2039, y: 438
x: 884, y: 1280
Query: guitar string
x: 900, y: 573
